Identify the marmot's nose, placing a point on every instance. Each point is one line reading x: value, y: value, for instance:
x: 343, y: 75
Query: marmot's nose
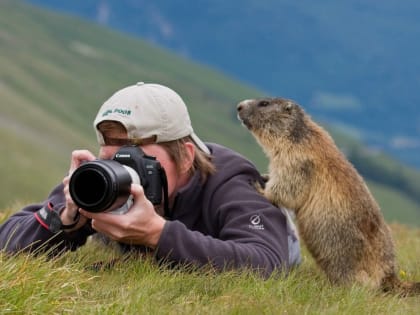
x: 241, y: 106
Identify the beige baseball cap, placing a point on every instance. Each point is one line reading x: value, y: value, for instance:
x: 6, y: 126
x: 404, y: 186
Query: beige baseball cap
x: 148, y: 111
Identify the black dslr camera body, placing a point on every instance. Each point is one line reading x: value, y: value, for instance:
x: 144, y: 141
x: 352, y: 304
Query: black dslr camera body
x: 104, y: 185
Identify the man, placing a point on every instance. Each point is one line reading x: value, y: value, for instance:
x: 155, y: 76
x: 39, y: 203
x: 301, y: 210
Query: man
x: 215, y: 215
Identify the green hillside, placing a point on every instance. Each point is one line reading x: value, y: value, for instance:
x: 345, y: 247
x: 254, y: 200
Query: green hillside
x: 55, y: 72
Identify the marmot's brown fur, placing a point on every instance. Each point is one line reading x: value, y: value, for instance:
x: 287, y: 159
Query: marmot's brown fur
x: 337, y: 217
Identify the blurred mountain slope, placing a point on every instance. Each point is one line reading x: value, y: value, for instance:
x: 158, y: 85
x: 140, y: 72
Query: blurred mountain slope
x: 352, y: 63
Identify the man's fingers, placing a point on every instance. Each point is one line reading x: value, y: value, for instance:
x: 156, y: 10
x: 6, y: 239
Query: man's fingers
x: 140, y: 199
x: 78, y: 156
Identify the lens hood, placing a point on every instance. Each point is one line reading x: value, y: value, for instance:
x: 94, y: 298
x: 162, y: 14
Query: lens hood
x: 100, y: 185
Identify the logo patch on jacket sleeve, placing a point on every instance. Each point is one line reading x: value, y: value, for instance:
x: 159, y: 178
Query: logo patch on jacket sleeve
x: 255, y: 222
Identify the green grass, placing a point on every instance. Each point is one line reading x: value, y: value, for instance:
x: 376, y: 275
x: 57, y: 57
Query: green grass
x: 395, y: 206
x: 67, y: 285
x: 55, y: 72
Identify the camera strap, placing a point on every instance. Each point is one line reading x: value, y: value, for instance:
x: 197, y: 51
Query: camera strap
x: 49, y: 218
x: 164, y: 181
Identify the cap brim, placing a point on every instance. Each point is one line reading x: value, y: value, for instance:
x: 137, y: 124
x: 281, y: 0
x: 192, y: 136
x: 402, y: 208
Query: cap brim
x: 200, y: 144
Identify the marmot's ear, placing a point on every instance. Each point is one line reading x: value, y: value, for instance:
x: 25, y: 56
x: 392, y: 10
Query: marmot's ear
x: 289, y: 106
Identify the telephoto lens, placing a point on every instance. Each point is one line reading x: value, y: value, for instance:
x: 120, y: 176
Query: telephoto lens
x: 102, y: 185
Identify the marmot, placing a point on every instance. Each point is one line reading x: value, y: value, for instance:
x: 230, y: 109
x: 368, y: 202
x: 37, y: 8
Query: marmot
x: 337, y: 217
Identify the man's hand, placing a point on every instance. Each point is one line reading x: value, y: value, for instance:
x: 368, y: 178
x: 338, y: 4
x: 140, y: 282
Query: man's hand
x: 69, y: 213
x: 141, y: 225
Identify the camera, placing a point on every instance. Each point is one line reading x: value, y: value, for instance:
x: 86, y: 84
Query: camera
x: 104, y: 185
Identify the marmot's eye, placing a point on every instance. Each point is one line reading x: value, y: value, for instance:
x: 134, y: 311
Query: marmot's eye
x: 263, y: 104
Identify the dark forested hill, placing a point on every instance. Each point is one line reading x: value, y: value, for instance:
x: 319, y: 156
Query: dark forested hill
x: 352, y: 63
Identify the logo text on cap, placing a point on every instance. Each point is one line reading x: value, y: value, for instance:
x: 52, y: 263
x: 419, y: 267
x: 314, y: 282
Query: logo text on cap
x: 121, y: 111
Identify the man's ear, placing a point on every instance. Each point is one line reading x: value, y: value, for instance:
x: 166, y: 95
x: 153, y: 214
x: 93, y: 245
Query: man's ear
x: 189, y: 157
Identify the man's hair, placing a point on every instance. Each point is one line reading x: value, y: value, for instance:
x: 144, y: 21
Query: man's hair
x: 176, y: 150
x: 202, y: 161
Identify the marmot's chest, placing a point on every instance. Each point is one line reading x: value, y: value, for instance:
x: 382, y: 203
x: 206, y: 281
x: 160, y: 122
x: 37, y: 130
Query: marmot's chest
x: 290, y: 182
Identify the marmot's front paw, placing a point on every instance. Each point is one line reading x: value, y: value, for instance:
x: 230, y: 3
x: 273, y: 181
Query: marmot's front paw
x: 259, y: 186
x: 265, y: 178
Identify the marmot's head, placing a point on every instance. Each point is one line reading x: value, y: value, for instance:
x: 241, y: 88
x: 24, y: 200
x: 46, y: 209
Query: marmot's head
x: 272, y: 118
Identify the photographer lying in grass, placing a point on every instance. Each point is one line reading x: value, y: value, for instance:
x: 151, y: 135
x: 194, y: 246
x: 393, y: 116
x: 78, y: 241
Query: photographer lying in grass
x: 184, y: 201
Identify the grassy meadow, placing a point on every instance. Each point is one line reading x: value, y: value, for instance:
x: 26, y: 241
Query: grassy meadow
x: 56, y: 70
x: 69, y: 285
